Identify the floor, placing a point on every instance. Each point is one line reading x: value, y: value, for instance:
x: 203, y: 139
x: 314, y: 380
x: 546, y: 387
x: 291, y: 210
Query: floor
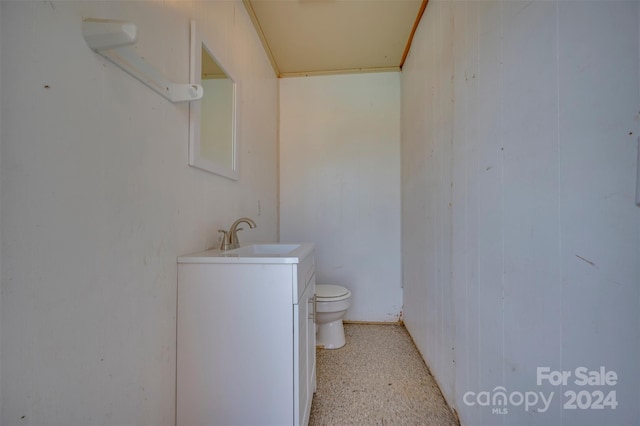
x: 377, y: 378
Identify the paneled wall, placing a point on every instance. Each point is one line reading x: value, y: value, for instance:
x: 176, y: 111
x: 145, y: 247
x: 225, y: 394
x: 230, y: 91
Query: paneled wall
x: 521, y: 237
x: 340, y: 183
x: 98, y: 201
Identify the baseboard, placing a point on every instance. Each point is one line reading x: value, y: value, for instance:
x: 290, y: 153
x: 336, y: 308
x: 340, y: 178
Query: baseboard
x: 373, y: 322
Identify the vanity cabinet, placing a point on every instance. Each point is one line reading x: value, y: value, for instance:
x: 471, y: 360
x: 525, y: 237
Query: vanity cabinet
x: 245, y: 339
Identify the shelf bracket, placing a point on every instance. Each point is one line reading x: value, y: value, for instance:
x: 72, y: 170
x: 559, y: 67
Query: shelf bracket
x: 113, y: 38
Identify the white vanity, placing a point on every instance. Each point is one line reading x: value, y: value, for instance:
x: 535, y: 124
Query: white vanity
x: 246, y: 336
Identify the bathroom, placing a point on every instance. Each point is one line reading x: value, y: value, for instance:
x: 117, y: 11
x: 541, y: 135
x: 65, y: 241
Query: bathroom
x: 469, y: 195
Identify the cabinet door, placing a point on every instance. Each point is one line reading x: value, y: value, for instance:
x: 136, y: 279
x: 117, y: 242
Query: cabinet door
x: 305, y: 342
x: 311, y: 339
x: 301, y: 312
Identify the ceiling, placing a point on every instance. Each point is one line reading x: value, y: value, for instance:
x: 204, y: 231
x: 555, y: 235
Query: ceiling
x: 309, y: 37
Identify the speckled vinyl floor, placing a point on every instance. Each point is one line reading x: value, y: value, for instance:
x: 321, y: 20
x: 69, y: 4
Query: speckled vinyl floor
x: 377, y: 378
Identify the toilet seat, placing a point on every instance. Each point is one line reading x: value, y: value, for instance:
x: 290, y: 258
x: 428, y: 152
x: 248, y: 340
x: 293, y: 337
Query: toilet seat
x: 331, y: 293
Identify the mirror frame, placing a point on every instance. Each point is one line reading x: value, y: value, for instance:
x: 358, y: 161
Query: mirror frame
x: 195, y: 113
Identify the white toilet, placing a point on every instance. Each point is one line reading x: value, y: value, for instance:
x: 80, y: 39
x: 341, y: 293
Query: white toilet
x: 332, y: 302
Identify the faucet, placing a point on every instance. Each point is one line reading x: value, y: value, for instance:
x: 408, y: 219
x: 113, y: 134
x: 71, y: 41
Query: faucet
x: 230, y: 239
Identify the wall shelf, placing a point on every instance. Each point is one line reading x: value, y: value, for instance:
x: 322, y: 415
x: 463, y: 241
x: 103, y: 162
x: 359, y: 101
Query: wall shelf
x: 113, y: 39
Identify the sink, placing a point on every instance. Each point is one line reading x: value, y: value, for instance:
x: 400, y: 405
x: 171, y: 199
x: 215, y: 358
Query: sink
x: 264, y: 250
x: 252, y: 253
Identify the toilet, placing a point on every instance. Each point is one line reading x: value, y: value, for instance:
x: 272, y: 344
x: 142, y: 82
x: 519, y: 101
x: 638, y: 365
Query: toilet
x: 332, y: 302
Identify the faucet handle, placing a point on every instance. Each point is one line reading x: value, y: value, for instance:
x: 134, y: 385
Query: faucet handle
x: 224, y: 245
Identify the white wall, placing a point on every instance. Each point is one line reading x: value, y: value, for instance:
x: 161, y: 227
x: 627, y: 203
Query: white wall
x: 340, y: 183
x: 98, y: 200
x: 0, y: 212
x: 521, y: 239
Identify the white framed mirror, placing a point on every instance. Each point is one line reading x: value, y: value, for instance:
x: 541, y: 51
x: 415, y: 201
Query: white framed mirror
x: 213, y: 121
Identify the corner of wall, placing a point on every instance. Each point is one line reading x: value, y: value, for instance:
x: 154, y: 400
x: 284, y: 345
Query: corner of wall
x: 0, y: 210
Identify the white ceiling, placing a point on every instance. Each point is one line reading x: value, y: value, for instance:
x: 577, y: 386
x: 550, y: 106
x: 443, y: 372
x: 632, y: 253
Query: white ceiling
x: 306, y: 37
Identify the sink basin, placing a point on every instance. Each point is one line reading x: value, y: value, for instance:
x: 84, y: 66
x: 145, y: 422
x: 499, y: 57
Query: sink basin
x: 252, y: 253
x: 264, y: 250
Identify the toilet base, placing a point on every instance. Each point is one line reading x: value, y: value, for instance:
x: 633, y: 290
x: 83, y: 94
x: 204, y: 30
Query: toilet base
x: 331, y: 335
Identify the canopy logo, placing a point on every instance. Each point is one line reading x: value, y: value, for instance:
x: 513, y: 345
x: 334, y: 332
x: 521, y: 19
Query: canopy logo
x: 498, y: 399
x: 592, y: 392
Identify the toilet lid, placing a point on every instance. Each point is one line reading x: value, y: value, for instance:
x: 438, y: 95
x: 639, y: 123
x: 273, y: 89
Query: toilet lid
x: 328, y: 291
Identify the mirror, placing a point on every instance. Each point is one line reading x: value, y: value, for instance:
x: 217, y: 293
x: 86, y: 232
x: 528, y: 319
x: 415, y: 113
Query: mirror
x: 212, y: 120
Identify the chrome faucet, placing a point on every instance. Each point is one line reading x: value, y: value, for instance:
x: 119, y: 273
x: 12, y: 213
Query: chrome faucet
x: 230, y: 239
